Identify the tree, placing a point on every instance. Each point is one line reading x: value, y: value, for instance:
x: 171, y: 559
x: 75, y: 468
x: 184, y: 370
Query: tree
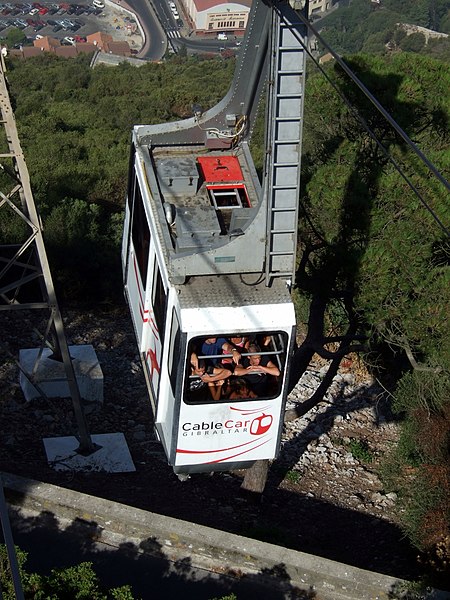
x: 15, y: 37
x: 79, y: 581
x: 413, y: 43
x: 370, y: 246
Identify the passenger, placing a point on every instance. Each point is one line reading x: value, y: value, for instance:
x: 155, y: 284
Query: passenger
x: 217, y: 346
x: 265, y: 341
x: 256, y: 370
x: 238, y: 343
x: 203, y: 376
x: 216, y: 389
x: 239, y: 389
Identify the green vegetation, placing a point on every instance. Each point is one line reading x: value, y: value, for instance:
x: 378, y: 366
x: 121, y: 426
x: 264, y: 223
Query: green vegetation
x: 293, y: 476
x: 370, y: 246
x: 360, y: 450
x: 78, y: 582
x: 75, y: 126
x: 373, y: 262
x: 363, y: 26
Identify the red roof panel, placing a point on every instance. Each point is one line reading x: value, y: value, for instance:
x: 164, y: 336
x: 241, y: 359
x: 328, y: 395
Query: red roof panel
x: 220, y: 169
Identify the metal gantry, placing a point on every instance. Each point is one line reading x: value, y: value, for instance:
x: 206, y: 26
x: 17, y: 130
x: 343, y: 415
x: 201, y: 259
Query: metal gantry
x: 25, y: 278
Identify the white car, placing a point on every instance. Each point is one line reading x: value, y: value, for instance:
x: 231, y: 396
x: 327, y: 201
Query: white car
x: 69, y: 40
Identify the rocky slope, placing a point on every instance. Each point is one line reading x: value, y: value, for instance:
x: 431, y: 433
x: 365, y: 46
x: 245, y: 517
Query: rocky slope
x: 323, y: 495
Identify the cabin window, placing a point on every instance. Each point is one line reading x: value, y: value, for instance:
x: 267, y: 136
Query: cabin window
x: 235, y: 367
x: 141, y: 234
x: 131, y: 179
x: 174, y: 350
x: 159, y: 300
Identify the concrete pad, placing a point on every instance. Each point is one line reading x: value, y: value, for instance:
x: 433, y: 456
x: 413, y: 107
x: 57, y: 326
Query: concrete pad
x: 51, y: 377
x: 112, y: 456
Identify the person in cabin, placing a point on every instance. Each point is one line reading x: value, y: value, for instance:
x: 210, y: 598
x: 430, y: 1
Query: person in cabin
x: 239, y: 388
x: 240, y: 343
x: 214, y: 346
x: 256, y: 370
x: 206, y: 377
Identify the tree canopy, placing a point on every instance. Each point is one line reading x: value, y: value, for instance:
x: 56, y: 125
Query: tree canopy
x: 374, y: 255
x: 362, y: 26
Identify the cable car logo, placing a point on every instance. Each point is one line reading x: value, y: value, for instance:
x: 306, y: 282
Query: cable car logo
x: 257, y: 426
x: 261, y: 424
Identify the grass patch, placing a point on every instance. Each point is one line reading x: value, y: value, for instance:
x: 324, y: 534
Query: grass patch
x: 360, y: 450
x: 293, y: 476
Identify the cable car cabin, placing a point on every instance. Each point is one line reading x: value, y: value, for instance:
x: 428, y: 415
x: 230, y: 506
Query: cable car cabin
x: 193, y: 257
x: 208, y: 254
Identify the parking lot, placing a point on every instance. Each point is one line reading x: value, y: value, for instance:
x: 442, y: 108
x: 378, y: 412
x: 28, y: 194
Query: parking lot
x: 67, y: 22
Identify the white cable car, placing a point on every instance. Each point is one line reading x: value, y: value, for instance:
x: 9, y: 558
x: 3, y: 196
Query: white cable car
x: 208, y: 256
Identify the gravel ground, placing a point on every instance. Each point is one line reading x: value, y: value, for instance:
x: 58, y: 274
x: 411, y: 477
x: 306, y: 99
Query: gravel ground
x: 320, y: 498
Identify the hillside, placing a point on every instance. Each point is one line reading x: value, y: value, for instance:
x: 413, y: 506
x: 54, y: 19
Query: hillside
x: 379, y: 28
x: 373, y: 273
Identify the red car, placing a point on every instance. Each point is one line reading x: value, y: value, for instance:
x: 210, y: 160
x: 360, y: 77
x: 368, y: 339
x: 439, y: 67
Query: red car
x: 43, y: 10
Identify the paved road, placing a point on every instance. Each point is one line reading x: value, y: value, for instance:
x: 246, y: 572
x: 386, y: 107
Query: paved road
x: 155, y: 38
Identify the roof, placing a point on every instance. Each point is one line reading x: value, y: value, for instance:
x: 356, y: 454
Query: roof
x: 28, y: 51
x: 120, y: 48
x: 66, y: 51
x: 99, y: 38
x: 86, y: 47
x: 220, y: 169
x: 202, y: 5
x: 46, y: 43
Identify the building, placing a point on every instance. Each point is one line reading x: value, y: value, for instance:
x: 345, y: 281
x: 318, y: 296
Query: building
x: 216, y: 16
x: 105, y: 43
x: 319, y: 6
x: 97, y: 42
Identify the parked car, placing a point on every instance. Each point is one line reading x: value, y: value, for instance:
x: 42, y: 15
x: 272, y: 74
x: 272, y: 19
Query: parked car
x: 56, y: 28
x: 34, y: 11
x: 69, y: 40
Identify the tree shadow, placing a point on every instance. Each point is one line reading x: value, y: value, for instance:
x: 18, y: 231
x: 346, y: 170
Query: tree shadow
x: 145, y: 567
x: 331, y: 252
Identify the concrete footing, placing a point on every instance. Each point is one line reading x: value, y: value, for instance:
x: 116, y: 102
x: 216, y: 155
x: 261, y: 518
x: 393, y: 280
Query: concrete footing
x: 50, y: 375
x: 111, y: 455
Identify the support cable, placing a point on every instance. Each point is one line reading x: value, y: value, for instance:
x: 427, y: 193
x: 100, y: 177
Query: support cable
x: 397, y: 127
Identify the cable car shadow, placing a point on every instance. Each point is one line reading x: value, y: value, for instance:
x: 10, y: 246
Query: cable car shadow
x: 144, y: 567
